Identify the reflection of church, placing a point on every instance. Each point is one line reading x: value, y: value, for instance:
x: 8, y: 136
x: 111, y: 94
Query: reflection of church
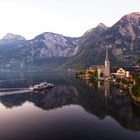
x: 104, y: 70
x: 104, y: 87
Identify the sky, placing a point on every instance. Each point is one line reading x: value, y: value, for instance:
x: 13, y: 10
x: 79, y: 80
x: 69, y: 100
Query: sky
x: 30, y: 18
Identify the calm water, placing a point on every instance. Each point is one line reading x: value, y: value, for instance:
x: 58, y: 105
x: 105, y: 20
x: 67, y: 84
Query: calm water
x: 73, y: 109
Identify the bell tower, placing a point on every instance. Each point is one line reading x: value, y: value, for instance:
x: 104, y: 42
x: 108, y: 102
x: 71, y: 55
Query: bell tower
x: 107, y: 65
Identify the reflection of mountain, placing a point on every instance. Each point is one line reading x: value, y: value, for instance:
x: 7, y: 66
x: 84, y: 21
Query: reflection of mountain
x: 94, y: 100
x: 57, y: 97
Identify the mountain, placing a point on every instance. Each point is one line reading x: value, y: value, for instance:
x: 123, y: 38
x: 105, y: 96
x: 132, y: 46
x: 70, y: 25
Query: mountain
x: 55, y: 45
x: 50, y: 50
x: 122, y: 41
x: 83, y: 48
x: 47, y: 50
x: 12, y: 37
x: 90, y: 37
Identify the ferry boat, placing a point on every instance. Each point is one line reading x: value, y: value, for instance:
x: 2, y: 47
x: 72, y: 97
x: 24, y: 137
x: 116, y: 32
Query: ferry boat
x: 41, y: 86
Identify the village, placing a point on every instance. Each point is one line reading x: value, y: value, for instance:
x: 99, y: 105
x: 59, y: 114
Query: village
x: 125, y: 78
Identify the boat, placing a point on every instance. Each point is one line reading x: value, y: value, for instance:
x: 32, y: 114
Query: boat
x: 41, y: 86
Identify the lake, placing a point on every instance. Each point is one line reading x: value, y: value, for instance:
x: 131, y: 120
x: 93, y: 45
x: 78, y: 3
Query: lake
x: 72, y: 109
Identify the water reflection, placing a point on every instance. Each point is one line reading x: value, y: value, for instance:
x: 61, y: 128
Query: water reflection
x: 116, y: 103
x: 97, y: 98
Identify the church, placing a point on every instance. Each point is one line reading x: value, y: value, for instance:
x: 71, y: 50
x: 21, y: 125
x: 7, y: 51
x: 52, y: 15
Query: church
x: 104, y: 70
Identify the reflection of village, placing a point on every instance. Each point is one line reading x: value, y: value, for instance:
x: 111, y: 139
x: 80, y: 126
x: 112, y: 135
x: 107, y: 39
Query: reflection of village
x: 126, y: 78
x: 100, y: 86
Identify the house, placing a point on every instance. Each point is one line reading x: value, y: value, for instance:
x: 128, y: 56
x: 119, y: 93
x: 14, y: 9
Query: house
x: 123, y: 73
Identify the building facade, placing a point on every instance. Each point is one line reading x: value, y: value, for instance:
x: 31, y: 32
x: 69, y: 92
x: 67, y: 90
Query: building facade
x: 123, y: 73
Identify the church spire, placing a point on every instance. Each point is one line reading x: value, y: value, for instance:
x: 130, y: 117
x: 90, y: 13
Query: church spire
x: 107, y: 59
x: 107, y: 65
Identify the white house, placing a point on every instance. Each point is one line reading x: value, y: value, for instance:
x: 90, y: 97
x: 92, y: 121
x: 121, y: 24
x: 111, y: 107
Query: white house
x: 122, y: 72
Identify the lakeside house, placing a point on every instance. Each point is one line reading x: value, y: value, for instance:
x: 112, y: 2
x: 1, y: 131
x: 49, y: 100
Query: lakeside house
x: 123, y: 73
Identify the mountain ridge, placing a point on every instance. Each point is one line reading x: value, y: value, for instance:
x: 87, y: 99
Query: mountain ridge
x: 47, y: 49
x: 122, y: 39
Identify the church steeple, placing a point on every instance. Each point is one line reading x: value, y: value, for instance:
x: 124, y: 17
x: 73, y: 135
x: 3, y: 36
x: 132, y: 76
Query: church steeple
x: 106, y: 59
x: 107, y: 65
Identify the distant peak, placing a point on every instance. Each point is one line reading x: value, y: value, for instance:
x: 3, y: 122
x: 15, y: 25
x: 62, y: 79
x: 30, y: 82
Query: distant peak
x: 133, y: 15
x: 50, y: 33
x: 11, y: 36
x: 8, y: 35
x: 101, y: 25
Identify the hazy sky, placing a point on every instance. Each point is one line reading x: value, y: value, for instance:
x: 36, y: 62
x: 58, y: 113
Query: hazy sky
x: 68, y: 17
